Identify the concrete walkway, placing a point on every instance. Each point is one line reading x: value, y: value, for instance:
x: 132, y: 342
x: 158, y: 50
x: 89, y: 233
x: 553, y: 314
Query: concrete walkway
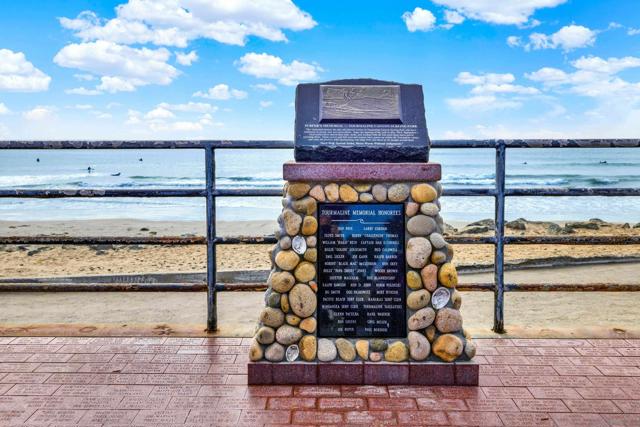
x: 202, y: 381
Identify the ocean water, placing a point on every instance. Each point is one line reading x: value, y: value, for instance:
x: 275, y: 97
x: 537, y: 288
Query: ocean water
x: 618, y: 167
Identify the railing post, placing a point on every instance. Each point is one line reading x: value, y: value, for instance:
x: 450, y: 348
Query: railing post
x: 210, y: 170
x: 498, y: 293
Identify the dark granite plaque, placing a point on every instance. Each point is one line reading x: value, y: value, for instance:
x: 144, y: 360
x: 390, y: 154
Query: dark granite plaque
x: 361, y: 270
x: 360, y: 120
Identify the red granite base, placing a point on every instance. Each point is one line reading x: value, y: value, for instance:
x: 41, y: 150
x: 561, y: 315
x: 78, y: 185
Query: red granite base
x: 381, y: 172
x: 365, y: 373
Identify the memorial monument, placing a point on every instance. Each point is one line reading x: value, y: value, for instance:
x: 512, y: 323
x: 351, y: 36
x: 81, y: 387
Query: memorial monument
x: 362, y: 289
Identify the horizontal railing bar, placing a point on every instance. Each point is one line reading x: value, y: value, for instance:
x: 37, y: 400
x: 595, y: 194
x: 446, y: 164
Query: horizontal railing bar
x: 559, y: 191
x: 283, y: 144
x: 63, y: 193
x: 253, y: 287
x: 234, y: 240
x: 277, y: 192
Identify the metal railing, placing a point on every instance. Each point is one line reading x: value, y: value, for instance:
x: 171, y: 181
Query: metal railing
x: 211, y: 193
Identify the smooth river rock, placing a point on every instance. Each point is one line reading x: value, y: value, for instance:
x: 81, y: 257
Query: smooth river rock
x: 437, y: 241
x: 292, y: 319
x: 421, y: 319
x: 419, y: 347
x: 309, y: 324
x: 346, y: 350
x: 281, y: 281
x: 379, y: 192
x: 287, y: 335
x: 302, y: 300
x: 306, y: 206
x: 413, y: 280
x: 284, y: 303
x: 447, y: 347
x: 272, y: 299
x: 348, y: 193
x: 309, y: 225
x: 418, y: 251
x: 305, y: 271
x: 448, y: 276
x: 311, y: 255
x: 429, y: 276
x: 265, y: 335
x: 297, y: 190
x: 272, y: 317
x: 274, y: 353
x: 411, y: 209
x: 418, y: 299
x: 429, y: 209
x: 362, y: 348
x: 378, y: 344
x: 317, y: 193
x: 421, y: 225
x: 287, y: 260
x: 448, y: 320
x: 456, y: 299
x: 470, y: 348
x: 255, y: 351
x: 326, y: 350
x: 332, y: 192
x: 423, y: 193
x: 292, y: 222
x: 398, y: 192
x: 396, y: 352
x: 285, y: 242
x: 366, y: 197
x: 308, y: 347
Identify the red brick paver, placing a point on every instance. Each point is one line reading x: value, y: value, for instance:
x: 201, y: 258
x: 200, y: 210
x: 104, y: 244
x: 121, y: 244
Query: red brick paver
x: 202, y: 381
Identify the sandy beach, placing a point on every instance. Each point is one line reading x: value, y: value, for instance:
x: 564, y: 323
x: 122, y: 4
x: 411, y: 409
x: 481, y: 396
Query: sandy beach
x: 68, y: 260
x: 528, y: 314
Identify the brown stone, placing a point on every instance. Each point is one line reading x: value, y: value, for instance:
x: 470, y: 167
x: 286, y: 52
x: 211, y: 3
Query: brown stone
x: 287, y: 335
x: 419, y: 346
x: 362, y: 188
x: 448, y: 320
x: 255, y: 351
x: 429, y: 275
x: 447, y: 347
x: 448, y: 276
x: 305, y: 271
x: 348, y: 193
x: 396, y: 352
x: 346, y: 350
x: 413, y: 280
x: 423, y: 193
x: 311, y: 241
x: 309, y: 225
x: 284, y: 303
x: 291, y: 221
x: 438, y: 257
x: 309, y: 324
x: 362, y: 348
x: 333, y: 192
x: 265, y: 335
x: 317, y: 193
x: 308, y: 347
x: 306, y: 206
x: 418, y: 299
x: 430, y: 333
x: 456, y: 299
x: 272, y: 317
x: 421, y: 318
x: 287, y: 260
x: 375, y: 356
x: 281, y: 281
x: 311, y: 254
x: 470, y: 348
x: 411, y: 209
x: 297, y: 190
x: 303, y: 300
x: 292, y: 319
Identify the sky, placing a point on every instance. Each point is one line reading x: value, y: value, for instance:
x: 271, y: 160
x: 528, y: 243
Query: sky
x: 227, y: 69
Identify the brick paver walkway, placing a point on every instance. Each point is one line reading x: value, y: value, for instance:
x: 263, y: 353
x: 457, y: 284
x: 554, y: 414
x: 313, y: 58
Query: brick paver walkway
x: 202, y: 381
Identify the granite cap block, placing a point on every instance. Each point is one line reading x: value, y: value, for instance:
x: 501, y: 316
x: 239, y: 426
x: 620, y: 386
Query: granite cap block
x: 380, y: 172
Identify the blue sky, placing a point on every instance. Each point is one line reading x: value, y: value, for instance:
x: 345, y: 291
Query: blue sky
x: 227, y: 69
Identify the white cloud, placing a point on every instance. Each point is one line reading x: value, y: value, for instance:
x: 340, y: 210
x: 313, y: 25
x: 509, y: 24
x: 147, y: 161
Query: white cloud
x: 221, y: 92
x: 267, y: 66
x: 159, y: 113
x: 176, y: 22
x: 265, y: 86
x: 4, y: 109
x: 453, y: 17
x: 19, y: 75
x: 514, y: 41
x: 189, y: 107
x: 455, y: 134
x: 266, y: 104
x: 633, y: 31
x: 83, y: 91
x: 514, y: 12
x: 186, y: 59
x: 593, y: 77
x: 482, y: 103
x: 490, y: 91
x: 419, y: 20
x: 122, y: 68
x: 83, y: 107
x: 41, y: 112
x: 84, y: 77
x: 567, y: 38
